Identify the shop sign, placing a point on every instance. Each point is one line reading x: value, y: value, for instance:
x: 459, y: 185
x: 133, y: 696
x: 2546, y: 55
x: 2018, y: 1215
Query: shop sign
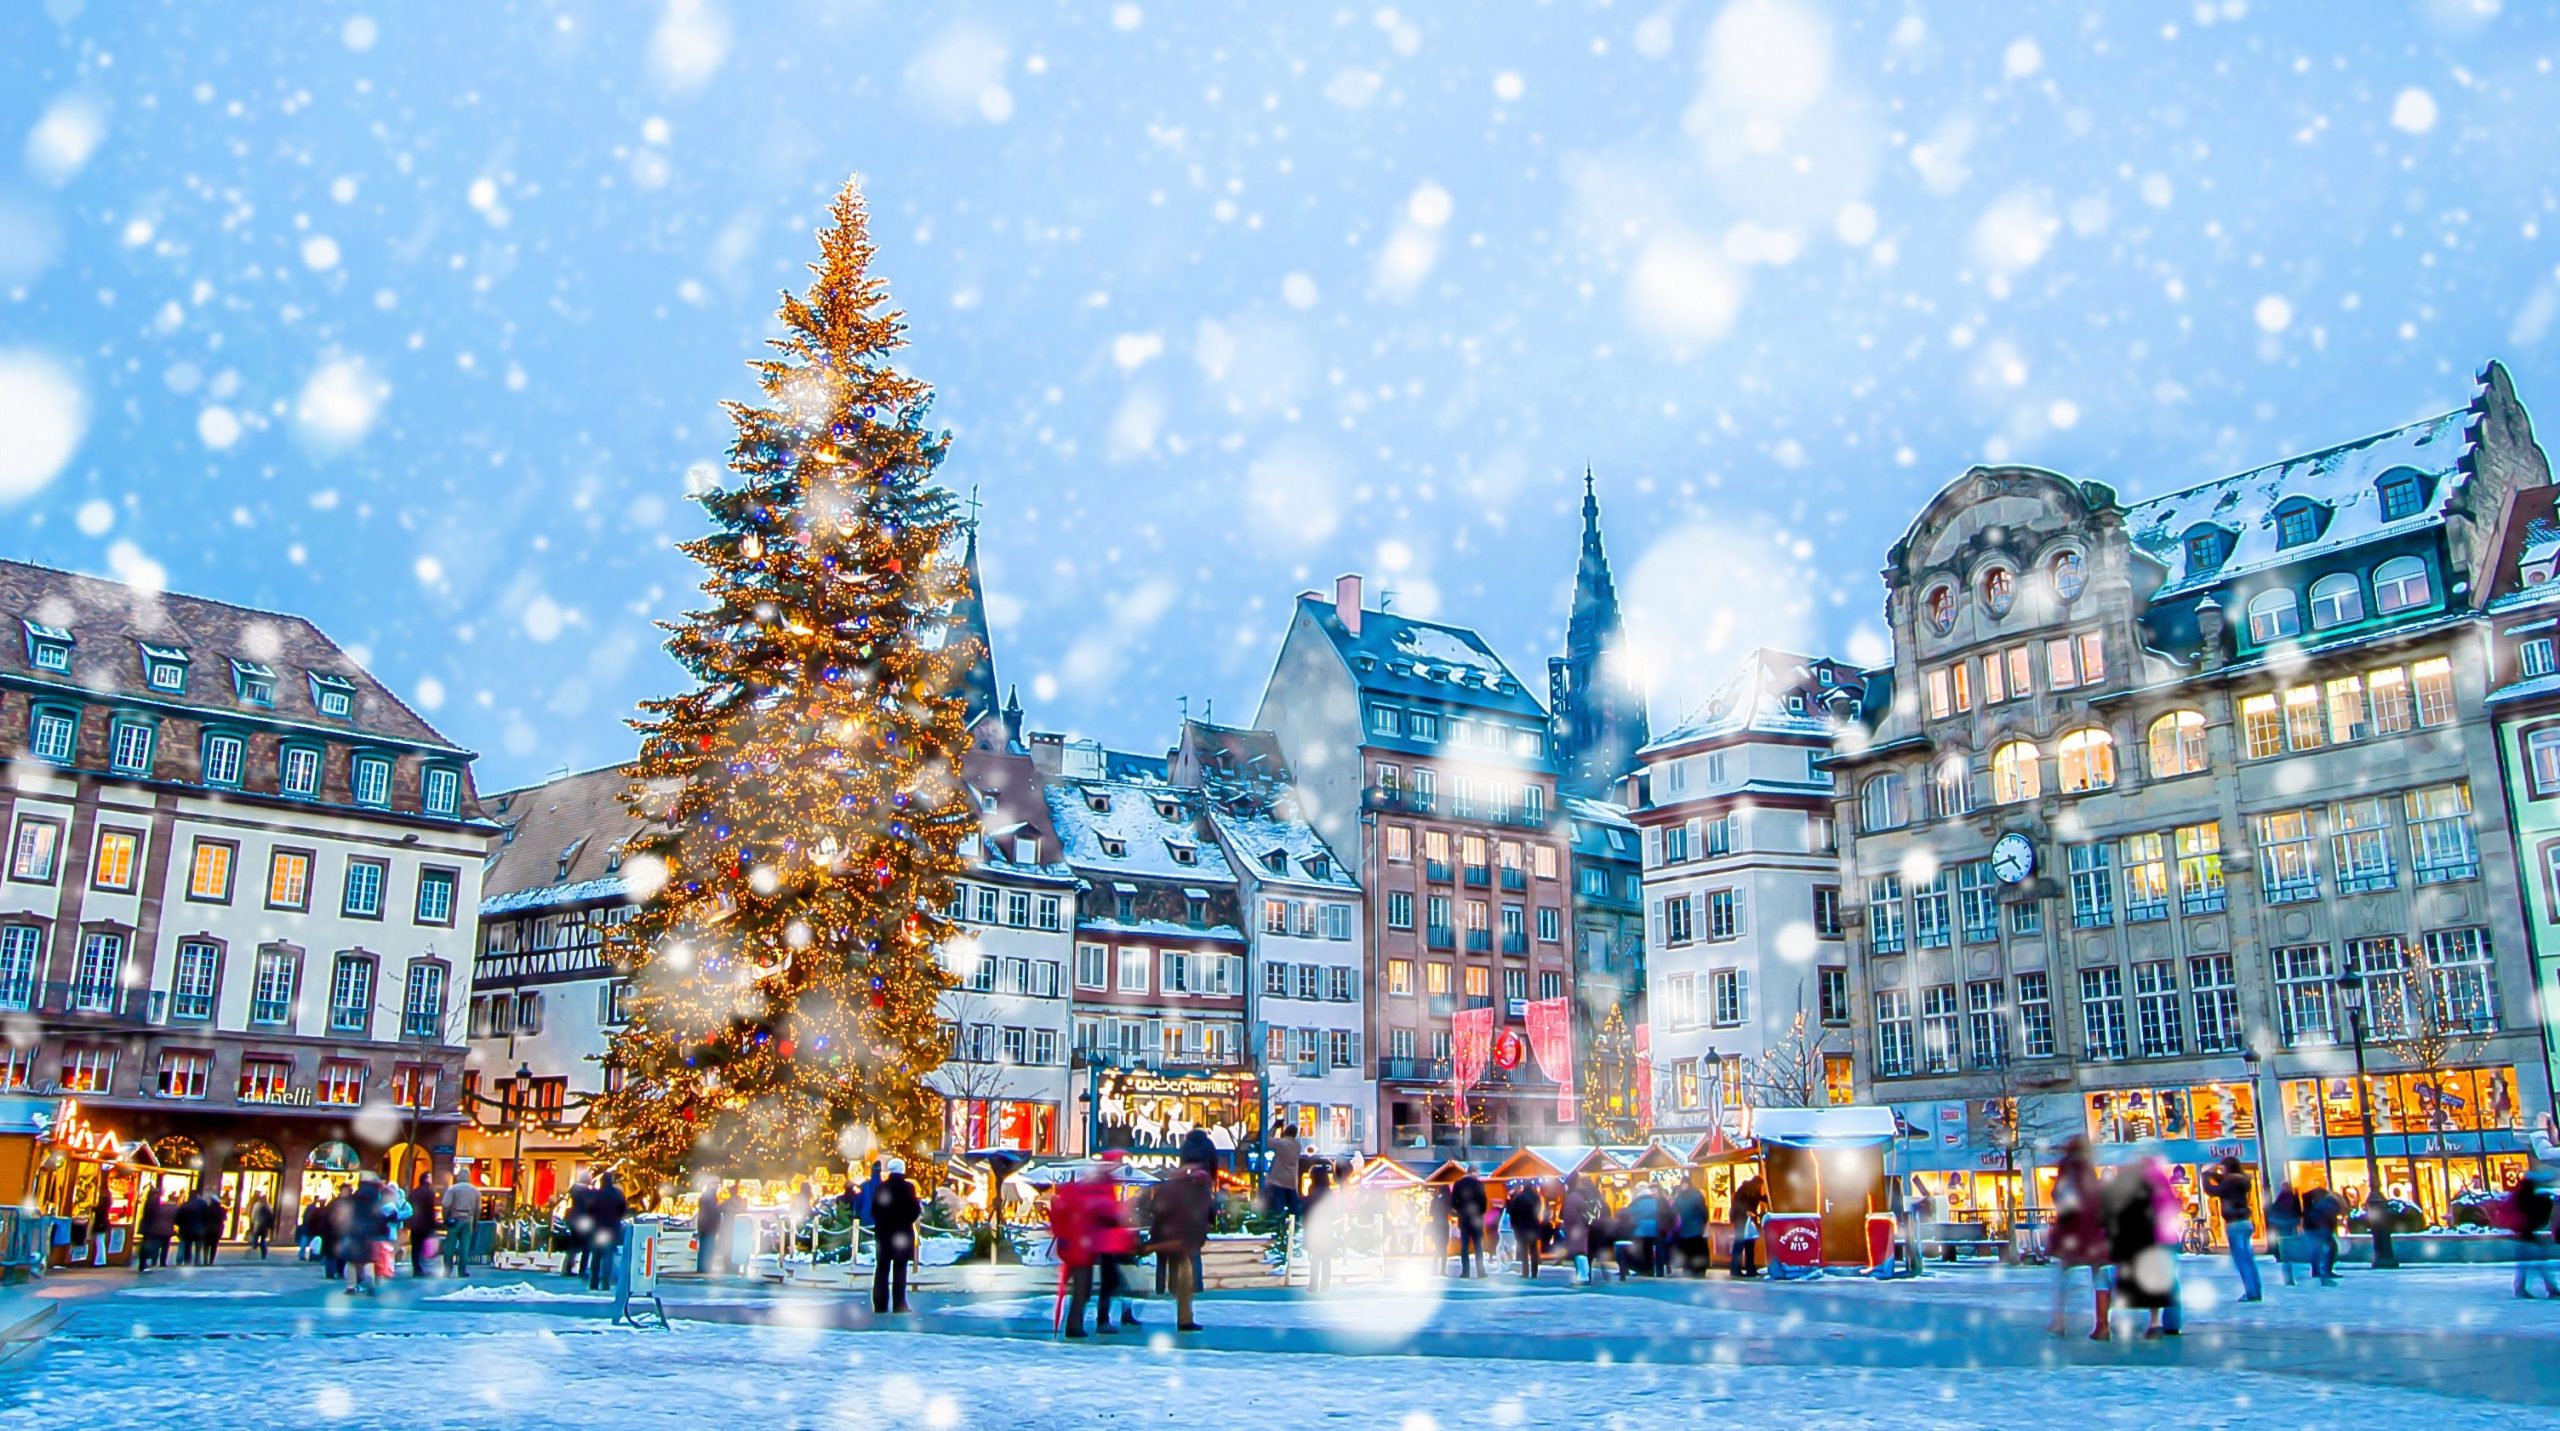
x: 1157, y: 1110
x: 1507, y: 1050
x: 280, y: 1098
x: 1951, y: 1125
x: 1797, y: 1241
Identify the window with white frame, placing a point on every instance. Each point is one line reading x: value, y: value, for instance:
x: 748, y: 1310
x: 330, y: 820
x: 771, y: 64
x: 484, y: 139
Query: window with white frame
x: 2286, y: 870
x: 1731, y: 989
x: 1093, y: 967
x: 53, y: 735
x: 223, y: 756
x: 2158, y: 1027
x: 1939, y: 1049
x: 130, y: 753
x: 2146, y: 878
x: 89, y: 1068
x: 1893, y: 1033
x: 1977, y: 902
x: 298, y: 771
x: 2035, y: 1015
x: 2102, y: 1013
x: 1723, y: 917
x: 1679, y: 919
x: 2216, y: 993
x: 2303, y: 1011
x: 1884, y: 914
x: 370, y: 780
x: 2200, y: 868
x: 184, y: 1072
x: 422, y: 1008
x: 1930, y: 903
x: 1133, y: 970
x: 1986, y: 1023
x: 2093, y: 885
x: 98, y: 980
x: 21, y: 951
x: 2401, y: 584
x: 2466, y: 986
x: 2440, y: 838
x: 2534, y: 657
x: 2360, y: 839
x: 1680, y: 1000
x: 440, y: 790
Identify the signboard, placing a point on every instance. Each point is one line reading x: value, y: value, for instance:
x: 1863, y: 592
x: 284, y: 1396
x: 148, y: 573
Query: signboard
x: 1508, y: 1050
x: 637, y: 1276
x: 1951, y: 1125
x: 1142, y: 1111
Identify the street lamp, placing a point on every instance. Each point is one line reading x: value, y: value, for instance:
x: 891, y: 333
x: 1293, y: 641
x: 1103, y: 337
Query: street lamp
x: 2377, y: 1207
x: 2250, y: 1059
x: 1714, y: 1065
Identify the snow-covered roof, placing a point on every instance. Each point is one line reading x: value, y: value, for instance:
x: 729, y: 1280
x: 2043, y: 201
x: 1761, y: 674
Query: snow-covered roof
x: 1400, y: 656
x: 1253, y: 839
x: 1755, y: 700
x: 2541, y: 541
x: 550, y: 896
x: 2341, y: 479
x: 1133, y: 818
x: 2536, y: 688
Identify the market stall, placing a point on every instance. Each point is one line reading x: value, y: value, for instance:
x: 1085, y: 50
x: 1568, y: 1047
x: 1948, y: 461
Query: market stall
x: 94, y: 1180
x: 1827, y: 1187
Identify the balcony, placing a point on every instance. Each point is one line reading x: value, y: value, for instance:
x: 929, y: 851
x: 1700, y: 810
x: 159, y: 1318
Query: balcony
x: 1443, y: 1005
x: 1392, y: 800
x: 1480, y: 876
x: 1479, y: 941
x: 80, y: 1001
x: 1412, y: 1070
x: 1514, y: 878
x: 1515, y: 943
x: 1440, y: 936
x: 1436, y: 871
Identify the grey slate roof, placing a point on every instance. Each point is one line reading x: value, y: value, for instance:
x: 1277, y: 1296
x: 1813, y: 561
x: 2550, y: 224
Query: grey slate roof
x: 2340, y: 478
x: 1254, y: 837
x: 1399, y: 656
x: 1146, y: 836
x: 1753, y: 701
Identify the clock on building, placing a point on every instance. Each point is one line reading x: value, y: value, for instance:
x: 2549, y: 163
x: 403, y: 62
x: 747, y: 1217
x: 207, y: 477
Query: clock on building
x: 2013, y: 857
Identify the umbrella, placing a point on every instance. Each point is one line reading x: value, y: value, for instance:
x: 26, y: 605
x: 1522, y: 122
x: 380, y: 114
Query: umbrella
x: 1050, y: 1175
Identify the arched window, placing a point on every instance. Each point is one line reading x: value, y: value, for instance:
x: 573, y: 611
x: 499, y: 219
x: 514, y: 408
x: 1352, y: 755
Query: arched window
x: 2336, y: 600
x: 1999, y: 591
x: 1951, y: 787
x: 1942, y: 610
x: 2274, y: 615
x: 2086, y: 760
x: 2401, y: 584
x: 1880, y: 803
x: 2070, y: 575
x: 2014, y: 774
x: 2177, y: 744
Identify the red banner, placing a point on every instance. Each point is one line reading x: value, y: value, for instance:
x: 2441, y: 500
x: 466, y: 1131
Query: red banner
x: 1470, y: 1049
x: 1551, y: 1039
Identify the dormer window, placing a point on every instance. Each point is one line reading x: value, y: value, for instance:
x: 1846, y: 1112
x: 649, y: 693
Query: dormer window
x: 2403, y: 493
x: 369, y: 781
x: 252, y: 682
x: 440, y: 791
x: 164, y: 668
x: 1026, y: 849
x: 2070, y: 575
x: 1195, y: 908
x: 2206, y: 549
x: 1115, y: 848
x: 1168, y: 810
x: 1182, y: 854
x: 1999, y: 591
x: 2298, y: 524
x: 1941, y: 606
x: 333, y: 695
x: 1319, y: 868
x: 1386, y: 720
x: 1422, y: 725
x: 1098, y: 802
x: 1277, y: 861
x: 48, y: 647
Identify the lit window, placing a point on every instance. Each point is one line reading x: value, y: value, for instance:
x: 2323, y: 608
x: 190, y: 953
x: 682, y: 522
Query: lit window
x: 118, y: 853
x: 289, y: 880
x: 2014, y: 773
x: 2086, y: 760
x: 209, y: 876
x: 2178, y: 744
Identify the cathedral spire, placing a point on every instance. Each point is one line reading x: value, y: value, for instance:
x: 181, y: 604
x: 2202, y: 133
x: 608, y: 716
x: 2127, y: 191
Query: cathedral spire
x: 1594, y: 700
x: 969, y: 623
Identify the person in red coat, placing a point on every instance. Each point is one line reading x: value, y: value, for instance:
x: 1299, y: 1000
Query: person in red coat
x: 2080, y: 1234
x: 1086, y: 1223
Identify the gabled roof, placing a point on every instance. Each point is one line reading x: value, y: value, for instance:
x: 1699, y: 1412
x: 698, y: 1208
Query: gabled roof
x: 579, y: 816
x: 1252, y: 839
x: 1404, y: 658
x: 1754, y: 701
x: 109, y: 622
x: 1146, y: 837
x: 1602, y: 831
x: 2340, y: 479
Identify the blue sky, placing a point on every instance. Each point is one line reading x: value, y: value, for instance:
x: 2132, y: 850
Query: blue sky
x: 416, y: 319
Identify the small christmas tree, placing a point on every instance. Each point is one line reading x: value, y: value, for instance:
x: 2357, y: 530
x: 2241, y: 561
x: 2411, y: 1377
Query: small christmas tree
x: 1612, y: 1110
x: 805, y: 795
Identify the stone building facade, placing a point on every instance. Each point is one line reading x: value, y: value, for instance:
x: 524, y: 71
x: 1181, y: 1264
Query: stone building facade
x: 2146, y: 779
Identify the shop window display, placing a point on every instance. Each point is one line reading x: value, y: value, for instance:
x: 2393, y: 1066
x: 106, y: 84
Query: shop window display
x: 2446, y: 1140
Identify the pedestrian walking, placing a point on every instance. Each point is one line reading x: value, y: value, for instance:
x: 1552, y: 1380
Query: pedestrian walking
x: 2322, y: 1211
x: 2146, y: 1225
x: 337, y: 1230
x: 1526, y: 1210
x: 2227, y: 1183
x: 262, y: 1224
x: 894, y: 1212
x: 2080, y: 1236
x: 362, y: 1213
x: 1574, y: 1225
x: 1750, y: 1211
x: 582, y: 1225
x: 1689, y: 1230
x: 200, y: 1221
x: 1466, y: 1208
x: 1319, y: 1228
x: 708, y: 1224
x: 1644, y: 1229
x: 1181, y: 1230
x: 310, y: 1226
x: 2526, y: 1215
x: 159, y: 1222
x: 1093, y: 1240
x: 2284, y: 1220
x: 1280, y: 1176
x: 422, y: 1221
x: 606, y: 1207
x: 461, y: 1224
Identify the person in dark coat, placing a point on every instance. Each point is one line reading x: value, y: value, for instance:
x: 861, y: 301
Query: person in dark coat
x: 422, y: 1222
x: 606, y: 1207
x: 262, y: 1224
x: 2079, y: 1237
x: 707, y: 1227
x: 1527, y: 1211
x: 2227, y: 1183
x: 159, y: 1221
x: 1689, y: 1229
x: 2322, y: 1211
x: 337, y: 1225
x: 361, y: 1207
x: 1466, y: 1207
x: 895, y: 1210
x: 1319, y: 1234
x: 310, y: 1226
x: 582, y: 1225
x: 182, y: 1214
x: 1181, y: 1230
x: 1750, y: 1207
x: 863, y: 1200
x: 1199, y: 1150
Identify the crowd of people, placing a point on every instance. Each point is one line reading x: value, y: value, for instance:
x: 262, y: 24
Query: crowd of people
x: 195, y: 1224
x: 356, y: 1234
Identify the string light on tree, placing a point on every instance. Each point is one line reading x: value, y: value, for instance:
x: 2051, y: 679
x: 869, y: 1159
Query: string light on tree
x: 805, y: 794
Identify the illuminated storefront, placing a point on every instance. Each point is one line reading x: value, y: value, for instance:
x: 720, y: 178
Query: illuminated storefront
x: 978, y: 1123
x: 2451, y: 1141
x: 1153, y: 1112
x: 1958, y: 1152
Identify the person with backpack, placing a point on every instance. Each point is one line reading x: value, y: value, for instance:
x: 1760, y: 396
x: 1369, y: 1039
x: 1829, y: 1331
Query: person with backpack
x: 1466, y: 1208
x: 2526, y: 1215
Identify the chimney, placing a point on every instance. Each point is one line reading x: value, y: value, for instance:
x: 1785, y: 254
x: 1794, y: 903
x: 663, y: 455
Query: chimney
x: 1346, y: 601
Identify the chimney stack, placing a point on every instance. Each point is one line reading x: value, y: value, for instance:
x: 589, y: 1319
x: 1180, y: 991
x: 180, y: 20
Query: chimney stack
x: 1346, y: 601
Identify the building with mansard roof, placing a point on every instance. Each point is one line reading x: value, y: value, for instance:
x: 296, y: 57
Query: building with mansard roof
x: 2155, y: 794
x: 238, y: 903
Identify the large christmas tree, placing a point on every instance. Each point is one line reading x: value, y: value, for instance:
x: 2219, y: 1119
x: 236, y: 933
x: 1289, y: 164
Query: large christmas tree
x: 806, y: 792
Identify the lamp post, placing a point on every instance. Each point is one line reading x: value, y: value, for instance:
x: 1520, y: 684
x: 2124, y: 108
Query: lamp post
x: 2377, y: 1207
x: 1713, y: 1062
x: 2250, y: 1058
x: 520, y: 1095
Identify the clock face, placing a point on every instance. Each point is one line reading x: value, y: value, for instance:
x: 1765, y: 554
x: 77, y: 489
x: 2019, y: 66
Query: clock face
x: 2013, y: 857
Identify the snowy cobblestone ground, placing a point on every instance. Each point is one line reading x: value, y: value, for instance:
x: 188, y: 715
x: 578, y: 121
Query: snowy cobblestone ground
x: 478, y: 1374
